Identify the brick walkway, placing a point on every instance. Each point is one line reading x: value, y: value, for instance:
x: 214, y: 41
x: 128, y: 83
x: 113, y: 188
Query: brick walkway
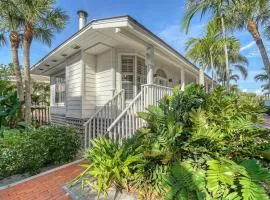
x: 46, y: 187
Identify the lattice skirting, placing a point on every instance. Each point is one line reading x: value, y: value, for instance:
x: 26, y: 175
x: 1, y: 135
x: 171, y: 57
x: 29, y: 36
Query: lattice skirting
x: 63, y: 120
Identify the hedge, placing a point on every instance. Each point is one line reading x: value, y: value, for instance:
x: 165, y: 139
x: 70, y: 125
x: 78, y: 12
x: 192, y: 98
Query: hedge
x: 31, y: 150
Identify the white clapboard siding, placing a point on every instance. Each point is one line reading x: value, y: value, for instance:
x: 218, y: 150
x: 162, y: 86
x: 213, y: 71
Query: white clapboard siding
x: 103, y: 78
x: 73, y: 86
x: 89, y: 90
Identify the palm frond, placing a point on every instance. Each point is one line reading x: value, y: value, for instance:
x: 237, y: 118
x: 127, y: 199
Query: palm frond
x: 44, y: 35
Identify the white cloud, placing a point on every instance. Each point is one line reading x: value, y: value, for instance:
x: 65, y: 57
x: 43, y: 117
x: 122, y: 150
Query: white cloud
x: 249, y: 45
x: 256, y: 91
x: 173, y: 35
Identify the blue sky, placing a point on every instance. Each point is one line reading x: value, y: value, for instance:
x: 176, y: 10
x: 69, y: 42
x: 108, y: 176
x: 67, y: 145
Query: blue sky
x: 161, y: 17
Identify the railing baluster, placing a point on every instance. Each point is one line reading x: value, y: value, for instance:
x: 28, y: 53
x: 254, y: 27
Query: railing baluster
x: 126, y: 124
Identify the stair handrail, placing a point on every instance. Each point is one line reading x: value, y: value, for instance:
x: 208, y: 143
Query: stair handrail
x: 88, y: 123
x: 138, y: 104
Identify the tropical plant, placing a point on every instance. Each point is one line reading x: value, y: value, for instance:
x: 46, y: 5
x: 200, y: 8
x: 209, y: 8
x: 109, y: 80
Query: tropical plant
x: 111, y: 164
x: 202, y: 50
x: 251, y: 15
x: 218, y: 9
x: 263, y: 77
x: 10, y: 106
x: 40, y: 20
x: 6, y: 71
x: 40, y: 93
x: 10, y: 22
x: 195, y: 145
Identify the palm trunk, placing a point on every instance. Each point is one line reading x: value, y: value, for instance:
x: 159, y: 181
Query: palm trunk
x: 26, y: 44
x: 201, y: 76
x: 223, y: 30
x: 212, y: 68
x: 14, y: 41
x: 253, y: 30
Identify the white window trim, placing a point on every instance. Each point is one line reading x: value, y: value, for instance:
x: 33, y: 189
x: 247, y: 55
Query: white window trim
x: 61, y: 104
x: 135, y: 69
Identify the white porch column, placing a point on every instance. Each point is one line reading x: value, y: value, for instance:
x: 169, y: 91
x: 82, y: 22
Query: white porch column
x: 183, y: 80
x: 113, y: 68
x: 149, y: 61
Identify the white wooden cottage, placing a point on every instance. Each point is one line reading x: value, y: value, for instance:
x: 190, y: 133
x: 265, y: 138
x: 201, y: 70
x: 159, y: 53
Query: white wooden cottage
x: 108, y: 71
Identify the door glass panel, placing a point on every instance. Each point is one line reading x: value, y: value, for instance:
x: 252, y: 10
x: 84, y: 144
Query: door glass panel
x: 141, y: 73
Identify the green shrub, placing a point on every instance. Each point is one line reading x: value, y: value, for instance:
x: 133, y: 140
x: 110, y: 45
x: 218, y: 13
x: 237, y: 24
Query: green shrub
x: 62, y: 143
x: 20, y: 152
x: 195, y: 145
x: 28, y: 151
x: 111, y: 164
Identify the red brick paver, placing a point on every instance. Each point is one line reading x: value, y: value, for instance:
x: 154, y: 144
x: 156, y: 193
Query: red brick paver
x: 46, y: 187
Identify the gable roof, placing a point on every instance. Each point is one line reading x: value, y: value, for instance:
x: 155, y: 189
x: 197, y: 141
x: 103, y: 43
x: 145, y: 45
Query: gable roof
x: 129, y: 19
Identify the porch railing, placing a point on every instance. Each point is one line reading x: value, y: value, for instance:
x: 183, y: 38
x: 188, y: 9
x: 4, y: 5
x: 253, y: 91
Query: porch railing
x: 102, y: 119
x: 40, y: 114
x: 127, y: 122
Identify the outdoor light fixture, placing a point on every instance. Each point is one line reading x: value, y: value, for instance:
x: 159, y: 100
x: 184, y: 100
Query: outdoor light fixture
x: 76, y: 46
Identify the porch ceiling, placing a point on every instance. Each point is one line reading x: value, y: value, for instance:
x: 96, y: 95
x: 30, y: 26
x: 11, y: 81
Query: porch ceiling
x: 92, y: 42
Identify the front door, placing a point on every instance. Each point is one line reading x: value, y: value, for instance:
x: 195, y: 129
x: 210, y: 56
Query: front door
x: 134, y: 75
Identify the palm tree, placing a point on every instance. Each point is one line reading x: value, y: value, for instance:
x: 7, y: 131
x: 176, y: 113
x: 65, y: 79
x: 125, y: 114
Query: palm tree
x: 10, y: 24
x: 41, y: 19
x: 250, y: 15
x: 202, y: 50
x: 263, y: 77
x: 218, y: 8
x: 237, y: 62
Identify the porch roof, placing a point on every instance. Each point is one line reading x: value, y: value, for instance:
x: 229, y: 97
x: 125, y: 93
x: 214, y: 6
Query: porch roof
x: 80, y: 41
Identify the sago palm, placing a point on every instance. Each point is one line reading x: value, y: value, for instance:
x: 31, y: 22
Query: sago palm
x: 41, y: 20
x: 10, y: 25
x: 251, y: 15
x: 218, y: 9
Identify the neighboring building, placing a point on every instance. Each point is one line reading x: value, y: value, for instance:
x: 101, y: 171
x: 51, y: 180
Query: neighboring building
x: 103, y: 58
x: 34, y: 78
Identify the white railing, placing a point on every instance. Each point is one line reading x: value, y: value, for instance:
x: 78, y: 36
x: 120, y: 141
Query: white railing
x: 127, y: 122
x: 103, y: 118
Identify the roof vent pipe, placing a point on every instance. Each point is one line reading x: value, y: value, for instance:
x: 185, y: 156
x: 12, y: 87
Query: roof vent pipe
x: 82, y: 18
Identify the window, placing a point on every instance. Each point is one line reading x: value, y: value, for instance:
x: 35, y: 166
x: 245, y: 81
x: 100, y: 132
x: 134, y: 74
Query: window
x: 60, y: 89
x: 128, y: 63
x: 134, y: 75
x: 161, y: 78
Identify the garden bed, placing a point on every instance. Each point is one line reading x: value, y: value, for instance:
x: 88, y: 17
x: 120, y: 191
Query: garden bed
x: 77, y: 193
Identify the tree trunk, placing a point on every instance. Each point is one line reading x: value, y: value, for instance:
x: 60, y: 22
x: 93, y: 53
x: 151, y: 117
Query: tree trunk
x: 212, y: 68
x: 223, y: 30
x: 201, y: 76
x: 253, y: 30
x: 14, y: 41
x: 28, y: 35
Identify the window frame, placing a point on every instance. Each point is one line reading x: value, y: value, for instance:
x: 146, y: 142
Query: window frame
x: 135, y: 72
x: 62, y: 98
